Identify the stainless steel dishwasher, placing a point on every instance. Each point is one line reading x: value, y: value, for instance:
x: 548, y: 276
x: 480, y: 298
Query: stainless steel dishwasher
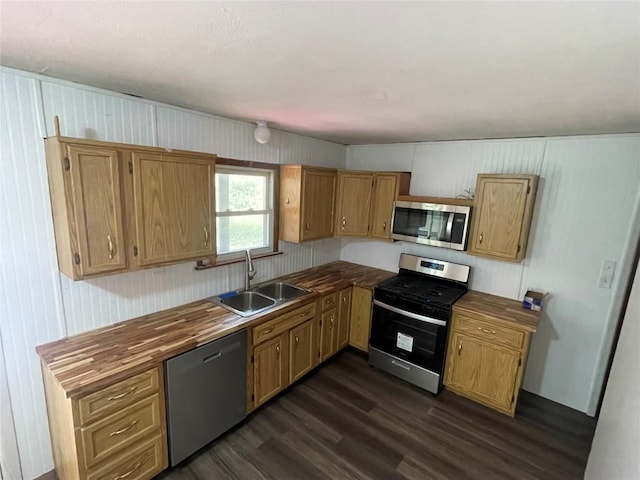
x: 206, y: 393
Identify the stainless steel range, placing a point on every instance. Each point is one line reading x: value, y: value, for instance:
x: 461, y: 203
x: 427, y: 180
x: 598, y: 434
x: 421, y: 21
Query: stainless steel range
x: 411, y: 314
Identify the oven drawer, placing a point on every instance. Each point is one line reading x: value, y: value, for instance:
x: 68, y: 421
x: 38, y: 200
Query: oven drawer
x: 496, y: 334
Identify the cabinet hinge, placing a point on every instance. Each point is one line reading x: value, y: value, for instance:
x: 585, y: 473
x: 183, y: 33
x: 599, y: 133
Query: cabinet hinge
x: 76, y: 258
x: 519, y: 361
x: 513, y: 398
x: 130, y: 167
x: 66, y: 163
x: 529, y: 189
x: 518, y: 248
x: 135, y: 251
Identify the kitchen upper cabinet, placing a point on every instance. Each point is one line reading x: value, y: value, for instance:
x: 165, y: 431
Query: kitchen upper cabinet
x: 270, y: 373
x: 306, y: 203
x: 353, y: 203
x: 360, y: 324
x: 502, y: 216
x: 87, y: 204
x: 385, y: 192
x: 173, y: 198
x: 119, y: 207
x: 364, y: 205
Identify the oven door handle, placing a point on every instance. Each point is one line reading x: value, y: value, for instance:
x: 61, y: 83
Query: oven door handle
x: 415, y: 316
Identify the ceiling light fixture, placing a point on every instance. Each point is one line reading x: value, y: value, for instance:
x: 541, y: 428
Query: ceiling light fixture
x: 262, y: 134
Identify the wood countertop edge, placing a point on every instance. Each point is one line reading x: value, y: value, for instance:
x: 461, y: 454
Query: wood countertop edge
x: 105, y: 377
x: 507, y: 319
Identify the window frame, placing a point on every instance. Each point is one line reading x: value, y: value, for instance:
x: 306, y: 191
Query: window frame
x: 227, y: 165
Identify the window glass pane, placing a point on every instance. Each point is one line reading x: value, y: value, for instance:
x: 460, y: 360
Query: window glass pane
x: 238, y: 192
x: 242, y: 232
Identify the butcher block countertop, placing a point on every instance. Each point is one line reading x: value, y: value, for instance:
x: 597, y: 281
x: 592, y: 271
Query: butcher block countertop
x: 90, y: 361
x: 504, y: 309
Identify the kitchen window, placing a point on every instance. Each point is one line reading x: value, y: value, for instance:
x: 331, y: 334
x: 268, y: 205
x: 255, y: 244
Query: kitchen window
x: 244, y: 210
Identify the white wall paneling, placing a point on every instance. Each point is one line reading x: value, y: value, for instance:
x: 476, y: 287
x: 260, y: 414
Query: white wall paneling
x: 589, y: 189
x: 38, y: 303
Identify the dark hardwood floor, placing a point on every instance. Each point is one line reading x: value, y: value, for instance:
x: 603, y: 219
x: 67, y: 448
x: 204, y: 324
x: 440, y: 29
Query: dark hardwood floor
x: 349, y: 421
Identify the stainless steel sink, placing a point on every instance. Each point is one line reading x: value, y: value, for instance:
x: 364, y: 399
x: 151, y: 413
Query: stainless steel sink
x: 280, y: 291
x: 244, y: 303
x: 260, y: 298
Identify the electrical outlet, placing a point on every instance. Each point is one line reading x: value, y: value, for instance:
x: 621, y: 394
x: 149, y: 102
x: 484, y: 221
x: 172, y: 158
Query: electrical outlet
x: 607, y: 270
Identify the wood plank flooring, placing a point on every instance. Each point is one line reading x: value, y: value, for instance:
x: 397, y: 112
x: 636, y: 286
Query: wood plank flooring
x: 350, y: 421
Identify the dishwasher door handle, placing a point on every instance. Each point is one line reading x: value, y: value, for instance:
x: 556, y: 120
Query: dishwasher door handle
x: 221, y: 352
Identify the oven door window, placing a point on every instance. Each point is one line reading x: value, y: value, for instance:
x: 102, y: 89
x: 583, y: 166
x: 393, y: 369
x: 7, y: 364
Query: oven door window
x: 415, y: 341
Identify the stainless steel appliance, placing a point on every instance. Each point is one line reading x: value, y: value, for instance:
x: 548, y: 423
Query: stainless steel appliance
x: 410, y: 320
x: 206, y: 393
x: 431, y: 224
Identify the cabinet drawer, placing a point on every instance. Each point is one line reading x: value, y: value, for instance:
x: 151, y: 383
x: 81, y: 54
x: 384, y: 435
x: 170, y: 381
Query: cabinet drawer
x: 142, y: 462
x: 114, y: 398
x: 329, y: 301
x: 492, y: 332
x: 275, y: 327
x: 118, y: 431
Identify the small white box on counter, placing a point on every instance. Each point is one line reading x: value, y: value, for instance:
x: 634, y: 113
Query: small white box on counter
x: 532, y: 300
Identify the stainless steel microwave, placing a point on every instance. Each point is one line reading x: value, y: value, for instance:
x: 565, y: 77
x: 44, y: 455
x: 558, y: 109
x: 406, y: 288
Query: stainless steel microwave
x: 433, y: 224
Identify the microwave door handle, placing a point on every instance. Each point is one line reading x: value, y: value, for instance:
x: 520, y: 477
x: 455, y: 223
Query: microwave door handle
x: 449, y: 227
x: 415, y: 316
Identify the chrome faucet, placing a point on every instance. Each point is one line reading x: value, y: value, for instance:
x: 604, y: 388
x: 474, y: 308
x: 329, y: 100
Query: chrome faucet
x: 249, y: 271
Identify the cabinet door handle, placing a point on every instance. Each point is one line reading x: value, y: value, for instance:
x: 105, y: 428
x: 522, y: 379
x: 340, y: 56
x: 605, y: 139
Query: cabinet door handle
x: 278, y: 350
x: 297, y: 341
x: 110, y: 245
x: 307, y: 226
x: 480, y: 238
x: 459, y: 348
x: 384, y: 226
x: 122, y: 395
x: 330, y: 322
x: 344, y: 222
x: 486, y: 331
x: 344, y: 300
x: 125, y: 429
x: 206, y: 236
x: 133, y: 469
x: 287, y: 201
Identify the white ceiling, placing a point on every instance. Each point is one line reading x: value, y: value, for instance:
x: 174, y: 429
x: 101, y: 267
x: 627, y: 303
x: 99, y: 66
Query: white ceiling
x: 352, y: 72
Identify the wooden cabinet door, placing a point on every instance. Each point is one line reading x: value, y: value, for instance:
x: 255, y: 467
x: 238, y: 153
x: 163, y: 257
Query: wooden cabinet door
x: 270, y: 365
x: 97, y: 199
x: 303, y: 356
x: 319, y: 189
x: 328, y: 333
x: 344, y: 315
x: 360, y: 324
x: 353, y: 202
x: 385, y: 191
x: 502, y: 215
x: 483, y: 370
x: 173, y: 207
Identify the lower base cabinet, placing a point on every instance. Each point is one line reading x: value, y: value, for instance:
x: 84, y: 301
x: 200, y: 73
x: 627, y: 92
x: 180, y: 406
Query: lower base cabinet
x: 270, y: 368
x: 303, y: 356
x: 486, y: 360
x: 360, y: 325
x: 115, y: 433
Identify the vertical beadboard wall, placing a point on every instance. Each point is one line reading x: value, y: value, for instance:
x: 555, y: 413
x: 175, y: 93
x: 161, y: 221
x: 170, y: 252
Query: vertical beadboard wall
x: 588, y: 192
x: 38, y: 303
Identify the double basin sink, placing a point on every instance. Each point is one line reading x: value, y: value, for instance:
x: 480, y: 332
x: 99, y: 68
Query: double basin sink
x: 259, y: 298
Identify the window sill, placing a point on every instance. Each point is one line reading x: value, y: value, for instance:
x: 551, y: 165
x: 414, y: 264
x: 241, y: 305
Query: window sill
x: 200, y: 265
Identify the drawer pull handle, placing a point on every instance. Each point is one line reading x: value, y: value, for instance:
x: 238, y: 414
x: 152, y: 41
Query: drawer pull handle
x: 267, y: 330
x: 122, y: 395
x: 135, y: 467
x: 486, y: 331
x: 124, y: 429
